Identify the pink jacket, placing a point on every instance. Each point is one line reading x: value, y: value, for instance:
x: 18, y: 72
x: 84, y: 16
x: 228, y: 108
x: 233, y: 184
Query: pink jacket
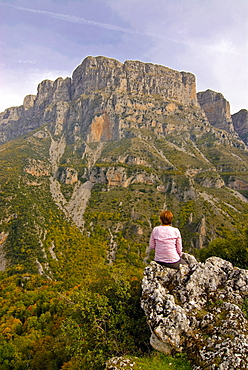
x: 167, y: 242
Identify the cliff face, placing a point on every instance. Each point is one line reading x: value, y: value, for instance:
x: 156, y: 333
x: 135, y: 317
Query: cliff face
x: 217, y: 109
x: 124, y: 139
x: 98, y: 99
x: 133, y: 77
x: 240, y: 122
x: 104, y: 99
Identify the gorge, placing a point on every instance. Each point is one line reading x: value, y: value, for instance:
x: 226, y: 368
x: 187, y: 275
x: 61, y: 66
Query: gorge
x: 87, y: 165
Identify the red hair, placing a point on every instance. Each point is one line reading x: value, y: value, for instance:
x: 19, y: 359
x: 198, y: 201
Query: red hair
x: 166, y: 217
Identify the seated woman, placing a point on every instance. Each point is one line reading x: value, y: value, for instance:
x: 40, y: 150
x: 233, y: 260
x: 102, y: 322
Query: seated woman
x: 167, y: 242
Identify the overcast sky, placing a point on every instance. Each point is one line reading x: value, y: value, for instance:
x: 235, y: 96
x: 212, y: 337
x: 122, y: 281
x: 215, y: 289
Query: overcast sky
x: 46, y: 39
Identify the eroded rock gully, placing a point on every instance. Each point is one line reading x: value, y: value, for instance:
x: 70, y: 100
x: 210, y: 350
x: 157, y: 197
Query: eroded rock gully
x: 198, y: 309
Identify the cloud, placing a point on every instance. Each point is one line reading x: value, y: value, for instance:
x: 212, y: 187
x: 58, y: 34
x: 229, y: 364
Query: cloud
x: 73, y: 19
x: 80, y: 20
x: 207, y: 38
x: 26, y: 62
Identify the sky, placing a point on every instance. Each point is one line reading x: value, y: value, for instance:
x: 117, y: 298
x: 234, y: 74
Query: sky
x: 47, y: 39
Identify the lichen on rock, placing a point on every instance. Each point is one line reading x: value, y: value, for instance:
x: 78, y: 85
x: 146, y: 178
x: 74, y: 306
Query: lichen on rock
x: 119, y: 363
x: 197, y: 310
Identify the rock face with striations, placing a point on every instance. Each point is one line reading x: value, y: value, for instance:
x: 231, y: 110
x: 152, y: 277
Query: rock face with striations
x: 133, y: 77
x: 197, y: 309
x: 105, y: 99
x: 131, y: 125
x: 217, y: 109
x: 97, y: 102
x: 240, y: 122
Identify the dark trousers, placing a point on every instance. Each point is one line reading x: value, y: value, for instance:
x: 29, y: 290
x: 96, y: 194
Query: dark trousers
x: 174, y: 265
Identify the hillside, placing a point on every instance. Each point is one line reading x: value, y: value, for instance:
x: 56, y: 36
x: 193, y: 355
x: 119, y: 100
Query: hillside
x: 90, y: 161
x: 114, y: 145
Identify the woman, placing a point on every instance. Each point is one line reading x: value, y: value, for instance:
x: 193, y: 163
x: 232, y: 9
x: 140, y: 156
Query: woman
x: 167, y: 242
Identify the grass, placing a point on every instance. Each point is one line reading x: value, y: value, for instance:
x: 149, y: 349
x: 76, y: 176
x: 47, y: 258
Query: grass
x: 159, y: 361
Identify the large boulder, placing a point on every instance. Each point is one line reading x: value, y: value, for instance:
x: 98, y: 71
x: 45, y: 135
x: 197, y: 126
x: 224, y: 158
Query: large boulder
x: 198, y: 310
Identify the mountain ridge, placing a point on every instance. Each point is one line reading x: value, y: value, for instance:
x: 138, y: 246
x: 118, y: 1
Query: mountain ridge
x: 168, y: 84
x: 133, y: 131
x: 84, y: 175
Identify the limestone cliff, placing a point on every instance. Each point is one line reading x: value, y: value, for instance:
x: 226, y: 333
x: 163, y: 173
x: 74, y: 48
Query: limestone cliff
x: 133, y: 131
x: 105, y: 98
x: 217, y: 109
x: 133, y: 77
x: 103, y: 153
x: 99, y: 99
x: 240, y: 122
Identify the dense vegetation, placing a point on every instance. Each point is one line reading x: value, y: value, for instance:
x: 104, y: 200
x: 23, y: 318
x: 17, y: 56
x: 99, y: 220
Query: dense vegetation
x: 65, y: 302
x: 45, y: 325
x: 232, y: 248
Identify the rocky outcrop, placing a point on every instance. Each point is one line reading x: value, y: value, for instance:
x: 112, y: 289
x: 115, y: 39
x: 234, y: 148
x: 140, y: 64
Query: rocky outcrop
x: 237, y: 184
x: 120, y: 363
x: 108, y: 100
x: 217, y: 109
x: 210, y: 179
x: 118, y: 176
x: 17, y: 121
x: 197, y: 309
x: 3, y: 260
x: 37, y: 168
x: 99, y: 98
x: 133, y: 77
x: 240, y: 122
x: 68, y: 176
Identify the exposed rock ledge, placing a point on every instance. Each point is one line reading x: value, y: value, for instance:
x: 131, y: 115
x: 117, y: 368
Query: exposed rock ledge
x: 196, y: 309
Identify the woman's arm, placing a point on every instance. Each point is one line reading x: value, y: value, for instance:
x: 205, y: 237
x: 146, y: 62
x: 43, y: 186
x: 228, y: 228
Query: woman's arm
x: 149, y: 247
x: 152, y: 241
x: 179, y: 246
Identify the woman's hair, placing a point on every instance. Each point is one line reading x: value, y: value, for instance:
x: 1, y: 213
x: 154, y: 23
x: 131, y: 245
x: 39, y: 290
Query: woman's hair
x: 166, y: 217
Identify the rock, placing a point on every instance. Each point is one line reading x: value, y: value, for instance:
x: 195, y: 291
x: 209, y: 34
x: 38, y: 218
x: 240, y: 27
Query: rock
x: 117, y: 176
x: 210, y: 180
x: 197, y: 310
x: 217, y: 109
x: 44, y: 93
x: 237, y: 184
x: 133, y: 77
x: 61, y: 91
x: 119, y: 363
x: 69, y: 176
x: 28, y: 101
x: 3, y: 259
x: 98, y: 102
x: 240, y: 122
x: 36, y: 167
x: 202, y: 233
x: 107, y: 100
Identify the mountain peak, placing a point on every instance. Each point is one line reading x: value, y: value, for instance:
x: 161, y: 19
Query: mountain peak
x: 108, y: 89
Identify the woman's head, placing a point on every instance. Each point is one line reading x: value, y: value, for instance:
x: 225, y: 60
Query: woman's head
x: 166, y: 217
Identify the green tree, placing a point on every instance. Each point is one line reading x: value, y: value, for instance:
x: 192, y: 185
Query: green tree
x: 233, y: 249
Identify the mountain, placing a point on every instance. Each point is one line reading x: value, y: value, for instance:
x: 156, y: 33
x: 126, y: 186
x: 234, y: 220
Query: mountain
x: 87, y: 165
x: 240, y: 121
x: 111, y: 147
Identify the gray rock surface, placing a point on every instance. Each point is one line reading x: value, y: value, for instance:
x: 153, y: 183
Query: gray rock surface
x: 197, y: 309
x: 100, y: 95
x: 240, y: 122
x: 217, y: 109
x: 119, y: 363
